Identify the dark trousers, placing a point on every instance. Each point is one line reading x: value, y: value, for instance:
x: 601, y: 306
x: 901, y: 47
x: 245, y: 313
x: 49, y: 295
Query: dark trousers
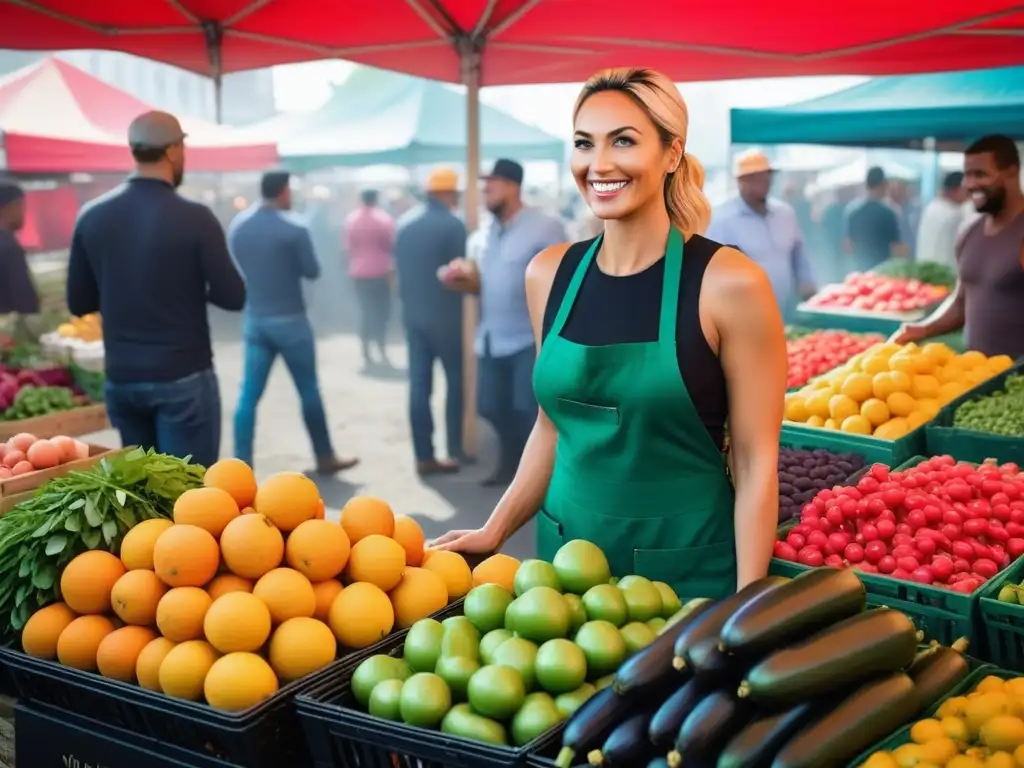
x: 505, y: 399
x: 180, y: 418
x: 292, y: 338
x: 425, y: 346
x: 373, y: 294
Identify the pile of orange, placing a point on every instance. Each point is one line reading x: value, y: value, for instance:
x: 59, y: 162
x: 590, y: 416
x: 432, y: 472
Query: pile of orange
x: 249, y: 587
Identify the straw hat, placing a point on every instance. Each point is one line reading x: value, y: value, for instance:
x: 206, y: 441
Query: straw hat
x: 751, y: 162
x: 443, y: 180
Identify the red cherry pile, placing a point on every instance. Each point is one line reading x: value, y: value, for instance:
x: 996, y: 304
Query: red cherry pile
x: 821, y: 351
x: 942, y: 523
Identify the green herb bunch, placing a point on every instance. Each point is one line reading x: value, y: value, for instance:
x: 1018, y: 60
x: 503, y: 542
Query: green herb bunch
x: 91, y: 509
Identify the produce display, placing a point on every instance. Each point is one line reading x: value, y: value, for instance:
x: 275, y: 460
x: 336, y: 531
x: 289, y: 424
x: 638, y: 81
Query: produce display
x: 1011, y: 593
x: 25, y: 453
x: 524, y: 655
x: 87, y: 328
x: 239, y: 592
x: 983, y: 729
x: 819, y: 352
x: 794, y: 332
x: 785, y: 673
x: 803, y: 473
x: 1000, y: 413
x: 878, y: 293
x: 890, y: 390
x: 80, y: 339
x: 942, y: 523
x: 930, y: 272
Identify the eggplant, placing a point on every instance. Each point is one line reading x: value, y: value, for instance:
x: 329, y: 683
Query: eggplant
x: 589, y: 725
x: 867, y: 716
x: 707, y: 661
x: 757, y: 744
x: 809, y: 603
x: 673, y: 711
x: 938, y: 670
x: 711, y: 621
x: 627, y: 744
x: 874, y: 643
x: 708, y: 727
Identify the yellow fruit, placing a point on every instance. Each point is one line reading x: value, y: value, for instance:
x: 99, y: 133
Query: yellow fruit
x: 239, y: 681
x: 950, y: 390
x: 184, y: 668
x: 881, y: 385
x: 118, y: 652
x: 378, y: 560
x: 80, y: 640
x: 452, y: 567
x: 361, y: 615
x: 147, y: 666
x: 971, y: 358
x: 924, y: 731
x: 288, y: 499
x: 874, y: 364
x: 137, y: 545
x: 208, y: 508
x: 325, y: 592
x: 135, y: 596
x: 235, y: 477
x: 842, y: 406
x: 856, y: 425
x: 364, y: 516
x: 893, y: 429
x: 965, y: 761
x: 227, y: 583
x: 991, y: 684
x: 1003, y: 733
x: 237, y: 621
x: 300, y: 647
x: 1000, y: 363
x: 180, y: 613
x: 419, y: 594
x: 287, y: 593
x: 318, y: 549
x: 953, y: 707
x: 924, y: 386
x: 1000, y: 760
x: 902, y: 363
x: 982, y: 708
x: 900, y: 381
x: 831, y: 424
x: 900, y: 404
x: 796, y: 409
x: 1018, y: 756
x: 815, y: 421
x: 87, y: 580
x: 940, y: 750
x: 252, y: 546
x: 41, y: 631
x: 409, y: 534
x: 875, y: 411
x: 1014, y: 687
x: 186, y: 556
x: 917, y: 419
x: 817, y: 404
x: 857, y: 386
x: 497, y: 569
x: 939, y: 353
x: 929, y: 407
x: 881, y: 760
x: 907, y: 755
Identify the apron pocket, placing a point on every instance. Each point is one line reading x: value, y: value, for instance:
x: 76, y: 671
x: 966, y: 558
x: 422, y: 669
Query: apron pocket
x: 603, y: 413
x: 706, y: 571
x: 550, y: 536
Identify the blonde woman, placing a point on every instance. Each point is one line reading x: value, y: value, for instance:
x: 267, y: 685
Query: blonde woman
x: 650, y: 337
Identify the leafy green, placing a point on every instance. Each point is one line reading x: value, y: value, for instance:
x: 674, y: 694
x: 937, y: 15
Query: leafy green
x: 84, y: 510
x: 929, y: 272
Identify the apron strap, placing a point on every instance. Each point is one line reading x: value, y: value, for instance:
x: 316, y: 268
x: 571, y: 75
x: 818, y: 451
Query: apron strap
x: 669, y: 318
x: 574, y: 287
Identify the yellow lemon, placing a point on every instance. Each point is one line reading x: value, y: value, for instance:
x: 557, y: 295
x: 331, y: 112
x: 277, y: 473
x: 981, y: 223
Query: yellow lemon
x: 881, y: 385
x: 1003, y: 733
x: 1000, y: 363
x: 950, y: 391
x: 830, y: 424
x: 953, y: 707
x: 926, y: 730
x: 815, y: 421
x: 817, y: 404
x: 796, y: 408
x: 857, y: 386
x: 939, y: 751
x: 1018, y: 756
x: 1014, y: 687
x: 841, y: 406
x: 902, y: 362
x: 971, y: 359
x: 889, y: 349
x: 980, y: 709
x: 965, y: 761
x: 900, y: 381
x: 991, y: 684
x: 1000, y: 760
x: 881, y: 760
x: 924, y: 385
x: 900, y: 404
x: 929, y: 407
x: 922, y: 363
x: 917, y: 419
x: 893, y: 429
x: 953, y: 370
x: 955, y: 729
x: 874, y: 364
x: 875, y: 411
x: 907, y: 755
x: 940, y: 353
x: 856, y: 425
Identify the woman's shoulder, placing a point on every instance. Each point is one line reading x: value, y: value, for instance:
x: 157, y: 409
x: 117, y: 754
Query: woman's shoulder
x: 556, y: 259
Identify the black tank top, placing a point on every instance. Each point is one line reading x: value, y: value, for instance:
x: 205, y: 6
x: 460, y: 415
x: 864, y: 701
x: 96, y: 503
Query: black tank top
x: 625, y: 310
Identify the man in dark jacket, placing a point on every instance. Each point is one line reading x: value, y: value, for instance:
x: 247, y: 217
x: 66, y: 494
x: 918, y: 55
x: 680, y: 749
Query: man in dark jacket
x: 17, y: 292
x: 428, y: 238
x: 150, y: 261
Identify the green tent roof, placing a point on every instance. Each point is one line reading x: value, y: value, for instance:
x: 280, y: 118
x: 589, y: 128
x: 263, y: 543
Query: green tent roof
x: 954, y: 108
x: 379, y: 117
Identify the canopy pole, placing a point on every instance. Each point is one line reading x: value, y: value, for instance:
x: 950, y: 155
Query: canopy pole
x: 214, y: 34
x: 930, y: 172
x: 469, y: 52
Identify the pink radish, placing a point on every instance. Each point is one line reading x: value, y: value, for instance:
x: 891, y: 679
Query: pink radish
x: 43, y: 454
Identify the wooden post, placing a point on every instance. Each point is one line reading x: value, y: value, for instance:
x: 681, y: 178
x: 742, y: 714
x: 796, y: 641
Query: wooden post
x: 470, y: 53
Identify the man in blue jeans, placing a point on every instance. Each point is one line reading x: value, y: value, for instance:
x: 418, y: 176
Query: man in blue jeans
x: 275, y: 253
x: 150, y: 261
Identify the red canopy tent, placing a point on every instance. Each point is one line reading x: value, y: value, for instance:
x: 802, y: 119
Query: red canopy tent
x: 56, y: 119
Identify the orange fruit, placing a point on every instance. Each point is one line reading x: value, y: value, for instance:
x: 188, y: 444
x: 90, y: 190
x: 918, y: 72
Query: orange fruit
x: 135, y: 597
x: 79, y: 642
x: 321, y: 511
x: 252, y: 545
x: 208, y: 508
x: 118, y: 652
x: 376, y: 560
x: 238, y: 621
x: 497, y: 569
x: 180, y: 613
x: 239, y: 681
x: 137, y: 545
x: 184, y: 668
x: 452, y: 567
x: 226, y: 583
x: 147, y: 666
x: 186, y: 556
x: 234, y: 476
x: 409, y: 534
x: 41, y: 631
x: 364, y: 516
x: 301, y: 646
x: 88, y: 579
x: 288, y: 499
x: 325, y: 592
x: 419, y: 594
x: 318, y: 549
x: 287, y: 593
x: 361, y: 616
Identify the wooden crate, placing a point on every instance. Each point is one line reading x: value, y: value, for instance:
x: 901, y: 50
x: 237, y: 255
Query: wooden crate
x: 77, y: 421
x: 14, y: 486
x: 7, y: 503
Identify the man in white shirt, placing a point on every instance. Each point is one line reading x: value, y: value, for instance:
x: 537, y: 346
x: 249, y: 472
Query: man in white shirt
x: 940, y: 223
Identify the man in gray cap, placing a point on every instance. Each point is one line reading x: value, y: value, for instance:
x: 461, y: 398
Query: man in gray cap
x: 150, y: 261
x: 17, y: 293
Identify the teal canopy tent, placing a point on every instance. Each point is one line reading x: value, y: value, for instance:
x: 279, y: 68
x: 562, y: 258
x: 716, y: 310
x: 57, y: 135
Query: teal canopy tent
x: 952, y: 107
x: 378, y: 117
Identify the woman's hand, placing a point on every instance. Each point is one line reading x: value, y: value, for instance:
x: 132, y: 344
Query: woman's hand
x: 475, y: 542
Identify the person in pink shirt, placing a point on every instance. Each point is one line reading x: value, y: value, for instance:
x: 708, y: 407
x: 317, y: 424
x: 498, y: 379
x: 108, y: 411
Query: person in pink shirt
x: 369, y: 243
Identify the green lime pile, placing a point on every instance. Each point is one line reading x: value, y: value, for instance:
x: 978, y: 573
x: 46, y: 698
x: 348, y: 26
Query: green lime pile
x: 1001, y: 413
x: 516, y: 665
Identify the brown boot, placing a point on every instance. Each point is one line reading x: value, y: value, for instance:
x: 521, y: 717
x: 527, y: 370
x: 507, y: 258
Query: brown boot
x: 331, y: 465
x: 437, y: 467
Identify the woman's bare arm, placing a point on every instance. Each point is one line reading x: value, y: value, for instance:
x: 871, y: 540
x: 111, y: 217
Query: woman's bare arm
x: 525, y: 495
x: 752, y: 348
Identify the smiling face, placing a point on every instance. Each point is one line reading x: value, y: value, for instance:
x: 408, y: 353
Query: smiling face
x: 619, y: 158
x: 985, y: 182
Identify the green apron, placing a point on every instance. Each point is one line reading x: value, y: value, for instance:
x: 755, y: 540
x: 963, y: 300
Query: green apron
x: 636, y: 471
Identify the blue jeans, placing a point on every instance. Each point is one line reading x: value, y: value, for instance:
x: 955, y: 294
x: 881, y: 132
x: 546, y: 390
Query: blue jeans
x: 290, y: 336
x: 426, y: 346
x: 180, y: 418
x: 506, y: 400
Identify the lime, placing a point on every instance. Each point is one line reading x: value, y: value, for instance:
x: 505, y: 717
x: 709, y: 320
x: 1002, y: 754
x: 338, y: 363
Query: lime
x: 657, y: 624
x: 425, y: 700
x: 606, y: 603
x: 603, y: 645
x: 537, y: 716
x: 496, y: 691
x: 423, y: 645
x: 541, y: 614
x: 643, y: 600
x: 461, y: 640
x: 637, y: 635
x: 485, y: 606
x: 568, y: 703
x: 578, y: 616
x: 1008, y: 594
x: 581, y: 565
x: 462, y: 625
x: 373, y: 670
x: 670, y: 602
x: 519, y: 654
x: 535, y: 573
x: 512, y: 615
x: 386, y: 699
x: 462, y: 721
x: 456, y: 671
x: 490, y: 643
x: 560, y: 666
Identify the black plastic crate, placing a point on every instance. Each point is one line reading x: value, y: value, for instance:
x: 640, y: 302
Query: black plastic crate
x: 342, y: 736
x: 48, y: 737
x: 268, y: 735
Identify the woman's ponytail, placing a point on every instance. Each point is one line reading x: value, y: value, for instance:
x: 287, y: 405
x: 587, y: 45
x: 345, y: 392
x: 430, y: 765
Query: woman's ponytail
x: 688, y: 207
